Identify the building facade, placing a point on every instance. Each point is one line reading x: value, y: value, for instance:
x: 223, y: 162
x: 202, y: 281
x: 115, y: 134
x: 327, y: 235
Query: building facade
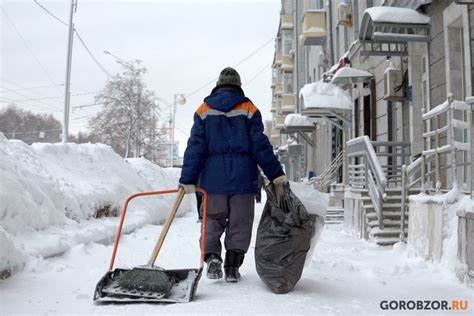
x: 410, y: 125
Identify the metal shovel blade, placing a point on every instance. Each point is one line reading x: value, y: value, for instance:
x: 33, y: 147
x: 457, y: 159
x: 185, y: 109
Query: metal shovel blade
x: 185, y: 285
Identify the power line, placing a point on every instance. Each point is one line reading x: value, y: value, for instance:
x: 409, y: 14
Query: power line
x: 239, y: 63
x: 256, y: 76
x: 21, y: 89
x: 48, y: 98
x: 79, y: 37
x: 34, y: 88
x: 51, y: 14
x: 92, y: 55
x: 86, y: 105
x: 27, y: 105
x: 28, y: 46
x: 24, y: 95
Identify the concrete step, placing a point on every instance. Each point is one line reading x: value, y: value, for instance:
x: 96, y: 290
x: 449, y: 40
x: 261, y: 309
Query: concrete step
x: 390, y: 241
x: 394, y: 191
x: 389, y: 198
x: 386, y: 206
x: 385, y: 232
x: 333, y: 222
x: 394, y: 215
x: 386, y: 223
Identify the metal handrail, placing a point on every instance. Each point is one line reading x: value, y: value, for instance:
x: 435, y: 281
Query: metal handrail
x: 434, y: 153
x: 375, y: 181
x: 330, y: 173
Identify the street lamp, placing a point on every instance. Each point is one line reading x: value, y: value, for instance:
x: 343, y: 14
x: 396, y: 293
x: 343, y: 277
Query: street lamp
x: 180, y: 99
x: 119, y: 60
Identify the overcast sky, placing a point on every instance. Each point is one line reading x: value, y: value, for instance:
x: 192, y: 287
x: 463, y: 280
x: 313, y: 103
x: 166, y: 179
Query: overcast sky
x: 183, y: 44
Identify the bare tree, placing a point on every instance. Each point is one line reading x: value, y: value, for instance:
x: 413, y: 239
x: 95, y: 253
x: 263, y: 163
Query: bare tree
x: 16, y: 123
x: 127, y: 120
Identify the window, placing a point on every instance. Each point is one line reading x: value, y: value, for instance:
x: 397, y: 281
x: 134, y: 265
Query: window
x: 288, y: 7
x: 278, y: 45
x: 313, y: 4
x: 287, y: 42
x: 288, y: 83
x: 279, y: 104
x: 457, y: 51
x: 457, y: 62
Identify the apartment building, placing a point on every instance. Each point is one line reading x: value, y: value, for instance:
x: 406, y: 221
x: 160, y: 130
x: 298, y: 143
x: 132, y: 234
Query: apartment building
x: 408, y: 68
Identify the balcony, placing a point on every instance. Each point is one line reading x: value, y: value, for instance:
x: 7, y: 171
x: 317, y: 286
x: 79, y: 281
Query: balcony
x: 314, y: 28
x: 274, y: 107
x: 288, y: 103
x: 278, y: 89
x: 274, y: 81
x: 279, y: 120
x: 287, y: 21
x: 275, y: 133
x: 285, y: 62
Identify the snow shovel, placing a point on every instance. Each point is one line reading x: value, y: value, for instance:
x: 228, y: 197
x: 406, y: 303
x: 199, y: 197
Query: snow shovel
x: 183, y: 281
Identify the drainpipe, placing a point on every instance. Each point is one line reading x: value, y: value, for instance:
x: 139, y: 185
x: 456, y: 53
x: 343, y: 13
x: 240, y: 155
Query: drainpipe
x: 297, y: 59
x: 471, y: 25
x: 330, y: 39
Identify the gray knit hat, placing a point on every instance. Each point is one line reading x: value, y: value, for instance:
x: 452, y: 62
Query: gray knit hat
x: 229, y: 76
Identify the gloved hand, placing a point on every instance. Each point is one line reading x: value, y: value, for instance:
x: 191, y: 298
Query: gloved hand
x: 278, y: 184
x: 280, y: 180
x: 188, y: 188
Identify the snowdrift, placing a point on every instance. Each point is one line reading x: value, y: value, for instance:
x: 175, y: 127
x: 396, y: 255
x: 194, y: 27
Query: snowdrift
x: 50, y: 193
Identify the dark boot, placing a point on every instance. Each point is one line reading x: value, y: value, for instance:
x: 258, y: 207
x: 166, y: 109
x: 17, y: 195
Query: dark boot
x: 214, y: 266
x: 233, y: 260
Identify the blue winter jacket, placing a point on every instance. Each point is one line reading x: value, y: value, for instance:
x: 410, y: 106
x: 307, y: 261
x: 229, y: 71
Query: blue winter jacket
x: 226, y: 144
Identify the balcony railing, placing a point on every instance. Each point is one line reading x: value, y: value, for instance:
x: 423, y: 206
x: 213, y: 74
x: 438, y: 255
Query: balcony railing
x: 275, y: 133
x: 288, y: 103
x: 278, y: 89
x: 286, y: 62
x: 279, y: 120
x: 287, y: 21
x: 314, y: 27
x: 274, y: 107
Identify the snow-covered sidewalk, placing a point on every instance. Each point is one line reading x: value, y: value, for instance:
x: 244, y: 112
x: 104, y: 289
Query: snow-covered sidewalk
x: 347, y: 276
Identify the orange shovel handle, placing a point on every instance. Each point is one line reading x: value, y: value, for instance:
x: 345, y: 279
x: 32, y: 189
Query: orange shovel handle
x: 124, y: 212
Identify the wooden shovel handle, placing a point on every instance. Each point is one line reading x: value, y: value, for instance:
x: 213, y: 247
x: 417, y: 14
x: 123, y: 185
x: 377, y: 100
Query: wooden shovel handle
x: 166, y: 227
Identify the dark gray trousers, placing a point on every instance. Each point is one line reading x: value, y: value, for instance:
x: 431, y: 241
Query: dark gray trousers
x: 232, y: 214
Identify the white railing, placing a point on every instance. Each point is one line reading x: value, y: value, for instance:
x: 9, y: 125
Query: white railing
x: 365, y: 172
x: 329, y: 175
x: 425, y: 172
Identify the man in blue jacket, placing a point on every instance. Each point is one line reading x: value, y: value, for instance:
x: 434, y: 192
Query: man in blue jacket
x: 225, y: 147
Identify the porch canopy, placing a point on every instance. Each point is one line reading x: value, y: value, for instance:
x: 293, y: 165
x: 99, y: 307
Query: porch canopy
x: 349, y: 75
x: 327, y: 101
x: 385, y: 31
x: 298, y: 124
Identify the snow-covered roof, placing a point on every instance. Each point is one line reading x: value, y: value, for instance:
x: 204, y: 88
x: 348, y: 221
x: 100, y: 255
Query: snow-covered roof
x: 296, y: 119
x: 393, y: 24
x: 396, y: 15
x: 347, y: 75
x: 325, y: 95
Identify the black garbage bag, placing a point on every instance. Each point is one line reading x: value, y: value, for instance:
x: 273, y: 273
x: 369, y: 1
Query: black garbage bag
x: 283, y: 240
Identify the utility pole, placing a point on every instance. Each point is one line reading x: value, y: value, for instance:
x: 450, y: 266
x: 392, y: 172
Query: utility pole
x: 67, y: 94
x: 181, y: 100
